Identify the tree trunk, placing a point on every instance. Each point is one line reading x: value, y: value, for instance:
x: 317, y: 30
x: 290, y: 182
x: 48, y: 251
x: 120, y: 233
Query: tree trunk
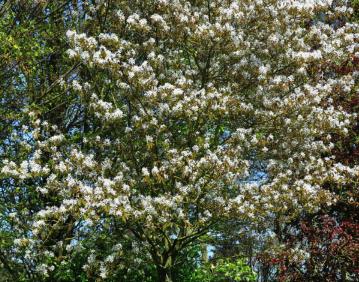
x: 164, y: 274
x: 204, y: 253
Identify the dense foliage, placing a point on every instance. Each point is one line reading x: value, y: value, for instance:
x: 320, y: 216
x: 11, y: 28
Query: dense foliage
x: 199, y: 140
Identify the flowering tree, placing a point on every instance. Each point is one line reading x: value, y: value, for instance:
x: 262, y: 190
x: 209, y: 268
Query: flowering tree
x: 327, y: 242
x: 180, y: 102
x: 32, y: 58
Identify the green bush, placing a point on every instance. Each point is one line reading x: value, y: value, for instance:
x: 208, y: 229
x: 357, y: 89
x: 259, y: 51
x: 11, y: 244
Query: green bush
x: 224, y: 270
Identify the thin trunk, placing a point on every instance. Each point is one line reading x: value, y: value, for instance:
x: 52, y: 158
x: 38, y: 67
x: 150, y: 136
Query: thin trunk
x: 204, y: 252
